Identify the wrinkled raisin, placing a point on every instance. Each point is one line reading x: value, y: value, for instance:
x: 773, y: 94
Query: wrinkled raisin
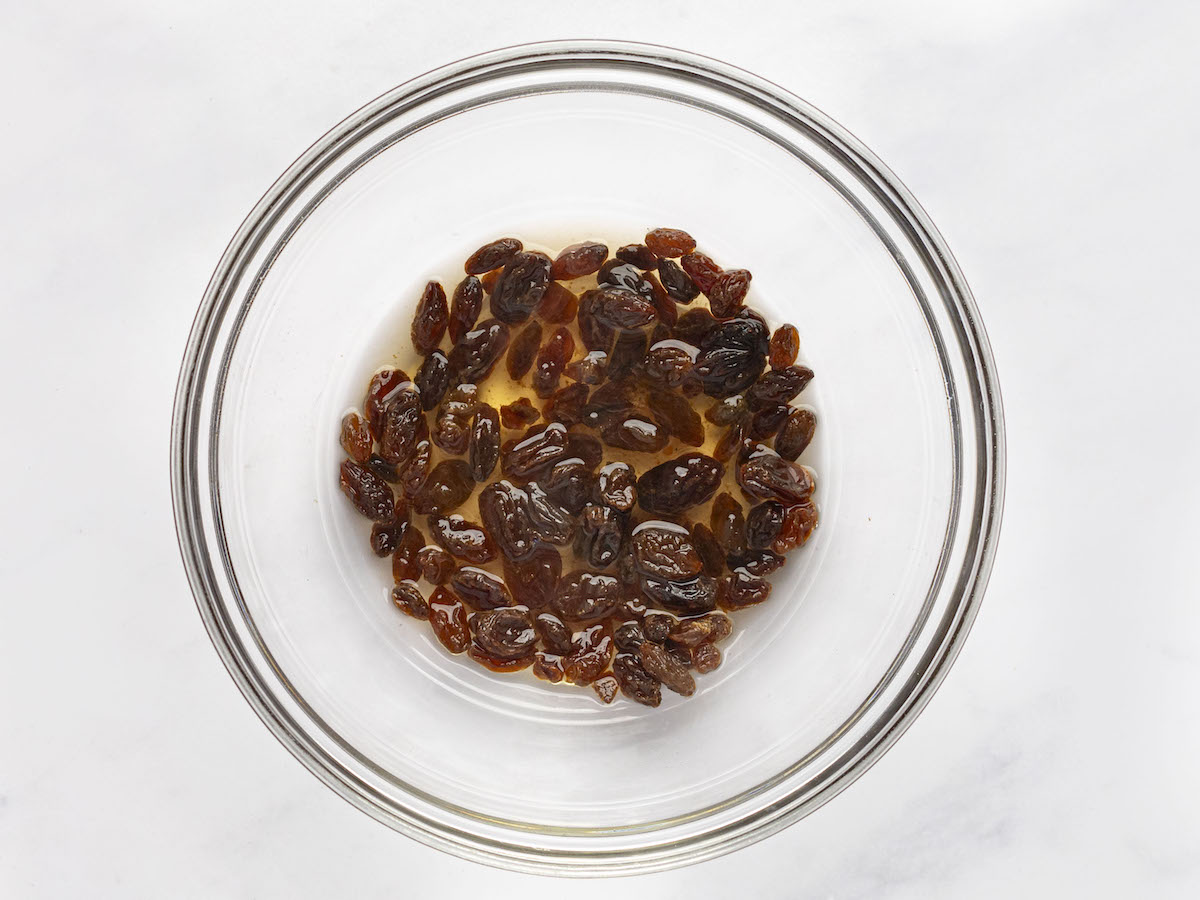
x: 668, y: 242
x: 731, y: 442
x: 483, y: 448
x: 665, y: 551
x: 449, y: 620
x: 636, y: 683
x: 778, y: 386
x: 504, y: 634
x: 706, y: 658
x: 606, y: 688
x: 523, y: 350
x: 634, y: 430
x: 767, y: 421
x: 416, y: 471
x: 617, y: 486
x: 384, y: 538
x: 709, y: 549
x: 756, y: 562
x: 678, y: 283
x: 594, y: 333
x: 629, y: 636
x: 476, y: 354
x: 728, y: 292
x: 504, y: 510
x: 658, y: 625
x: 578, y: 260
x: 533, y: 582
x: 785, y: 346
x: 403, y: 427
x: 369, y: 493
x: 670, y: 671
x: 431, y: 318
x: 550, y: 522
x: 590, y: 369
x: 408, y: 599
x: 798, y: 525
x: 680, y: 483
x: 669, y: 363
x: 559, y: 306
x: 433, y: 379
x: 356, y: 438
x: 548, y: 666
x: 519, y: 414
x: 436, y: 564
x: 677, y: 416
x: 767, y: 476
x: 637, y: 255
x: 554, y: 634
x: 600, y: 536
x: 688, y: 598
x: 728, y: 523
x: 585, y: 447
x: 480, y: 589
x: 535, y: 453
x: 620, y: 309
x: 694, y: 325
x: 700, y: 629
x: 587, y: 596
x: 465, y: 307
x: 743, y: 589
x: 446, y: 489
x: 796, y: 433
x: 462, y: 538
x: 384, y: 386
x: 492, y: 256
x: 763, y: 524
x: 385, y: 469
x: 520, y: 287
x: 566, y: 404
x: 628, y: 354
x: 551, y: 360
x: 569, y: 484
x: 410, y: 542
x: 607, y: 401
x: 728, y: 411
x: 702, y: 270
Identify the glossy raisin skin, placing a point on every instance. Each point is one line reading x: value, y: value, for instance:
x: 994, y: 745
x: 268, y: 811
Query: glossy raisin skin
x: 636, y: 683
x: 449, y: 620
x: 600, y: 535
x: 702, y: 270
x: 431, y: 319
x: 408, y: 599
x: 523, y: 350
x: 446, y: 489
x: 462, y: 539
x: 664, y: 667
x: 483, y: 448
x: 436, y: 564
x: 795, y: 434
x: 558, y: 306
x: 712, y: 555
x: 492, y: 256
x: 620, y: 309
x: 728, y: 523
x: 356, y: 438
x: 798, y: 524
x: 480, y: 589
x: 403, y: 426
x: 584, y: 596
x: 693, y: 326
x: 687, y: 598
x: 763, y: 524
x: 678, y: 283
x: 369, y: 493
x: 433, y: 379
x: 767, y: 476
x: 670, y: 242
x: 566, y: 404
x: 535, y: 453
x: 555, y: 635
x: 628, y: 354
x: 785, y: 346
x: 634, y: 430
x: 551, y: 360
x: 679, y: 484
x: 504, y: 634
x: 404, y: 559
x: 519, y: 414
x: 465, y: 307
x: 570, y: 484
x: 743, y: 589
x: 637, y: 255
x: 415, y: 473
x: 520, y: 287
x: 384, y: 538
x: 767, y: 421
x: 606, y: 688
x: 384, y: 386
x: 578, y: 260
x: 706, y: 658
x: 476, y: 354
x: 694, y: 631
x: 617, y: 486
x: 594, y: 333
x: 551, y: 522
x: 778, y: 386
x: 732, y: 356
x: 677, y: 416
x: 664, y: 552
x: 669, y: 364
x: 728, y: 292
x: 504, y: 510
x: 534, y: 581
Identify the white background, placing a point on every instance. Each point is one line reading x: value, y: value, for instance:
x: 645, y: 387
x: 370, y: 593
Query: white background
x: 1053, y: 142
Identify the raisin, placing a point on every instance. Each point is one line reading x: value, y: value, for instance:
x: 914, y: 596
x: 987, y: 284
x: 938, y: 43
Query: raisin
x: 628, y: 354
x: 356, y: 438
x: 554, y: 634
x: 709, y: 549
x: 551, y: 522
x: 492, y: 256
x: 483, y: 448
x: 636, y: 683
x: 637, y: 255
x: 591, y: 369
x: 728, y: 523
x: 585, y: 665
x: 408, y: 599
x: 694, y: 325
x: 566, y: 404
x: 743, y: 589
x: 678, y: 284
x: 606, y: 688
x: 519, y: 414
x: 767, y: 421
x: 480, y: 589
x: 665, y: 551
x: 504, y: 634
x: 798, y: 525
x: 785, y: 346
x: 664, y: 667
x: 383, y: 538
x: 594, y: 333
x: 384, y: 386
x: 416, y: 472
x: 436, y: 564
x: 476, y: 354
x: 677, y: 484
x: 533, y: 582
x: 763, y: 524
x: 728, y: 411
x: 535, y: 453
x: 405, y: 566
x: 503, y: 508
x: 664, y: 306
x: 732, y: 356
x: 657, y: 625
x: 523, y: 350
x: 558, y: 305
x: 465, y: 306
x: 702, y: 629
x: 731, y: 442
x: 551, y: 360
x: 620, y: 309
x: 404, y: 426
x: 585, y: 447
x: 570, y: 484
x: 462, y: 538
x: 431, y: 318
x: 606, y: 402
x: 520, y: 287
x: 617, y: 486
x: 756, y: 562
x: 578, y: 260
x: 446, y: 489
x: 702, y: 270
x: 634, y: 430
x: 669, y: 363
x: 369, y: 493
x: 548, y: 667
x: 488, y: 280
x: 796, y: 433
x: 770, y: 477
x: 433, y: 379
x: 600, y: 536
x: 728, y: 292
x: 670, y: 242
x: 779, y: 386
x: 448, y: 617
x: 587, y: 596
x: 688, y: 598
x: 706, y: 658
x: 629, y: 636
x: 677, y: 416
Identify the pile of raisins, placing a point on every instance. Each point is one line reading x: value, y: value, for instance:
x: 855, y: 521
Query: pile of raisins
x: 633, y: 480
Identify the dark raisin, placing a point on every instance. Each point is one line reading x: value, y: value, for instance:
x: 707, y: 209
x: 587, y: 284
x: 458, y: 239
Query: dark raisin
x: 587, y: 596
x: 779, y: 386
x: 677, y: 416
x: 504, y: 510
x: 446, y: 489
x: 678, y: 284
x: 488, y: 280
x: 798, y: 525
x: 369, y: 493
x: 566, y: 404
x: 465, y: 307
x: 476, y: 354
x: 594, y: 333
x: 520, y: 287
x: 356, y: 438
x: 551, y: 360
x: 706, y: 658
x: 607, y: 401
x: 688, y: 598
x: 556, y: 637
x: 743, y: 589
x: 606, y: 688
x: 680, y: 483
x: 551, y: 522
x: 431, y: 318
x: 483, y: 449
x: 480, y: 589
x: 385, y: 469
x: 634, y: 430
x: 694, y: 325
x: 384, y: 386
x: 728, y: 411
x: 433, y: 379
x: 709, y: 549
x: 665, y: 551
x: 637, y: 255
x: 416, y: 472
x: 578, y: 260
x: 535, y: 453
x: 404, y: 426
x: 519, y: 414
x: 591, y: 369
x: 533, y: 582
x: 670, y: 671
x: 763, y: 524
x: 756, y: 562
x: 492, y: 256
x: 702, y: 629
x: 383, y: 538
x: 702, y: 270
x: 617, y: 274
x: 667, y: 242
x: 462, y: 538
x: 795, y: 434
x: 732, y: 441
x: 569, y: 484
x: 523, y: 350
x: 617, y: 486
x: 732, y: 356
x: 620, y: 309
x: 728, y: 292
x: 629, y: 636
x: 658, y: 625
x: 600, y: 536
x: 785, y: 346
x: 767, y: 421
x: 585, y: 665
x: 585, y: 447
x: 664, y: 306
x: 408, y: 599
x: 628, y: 354
x: 405, y: 566
x: 558, y: 305
x: 436, y: 564
x: 669, y: 363
x: 449, y: 620
x: 548, y: 667
x: 728, y: 523
x: 766, y: 476
x: 636, y: 683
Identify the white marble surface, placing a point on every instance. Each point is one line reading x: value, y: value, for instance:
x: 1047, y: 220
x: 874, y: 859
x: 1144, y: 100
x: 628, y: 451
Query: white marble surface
x: 1053, y: 142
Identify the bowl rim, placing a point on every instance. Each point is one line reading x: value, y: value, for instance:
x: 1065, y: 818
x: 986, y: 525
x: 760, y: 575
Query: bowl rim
x: 185, y: 462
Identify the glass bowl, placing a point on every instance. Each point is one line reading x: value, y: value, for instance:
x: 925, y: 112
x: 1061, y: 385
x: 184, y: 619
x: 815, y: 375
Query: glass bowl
x: 553, y: 143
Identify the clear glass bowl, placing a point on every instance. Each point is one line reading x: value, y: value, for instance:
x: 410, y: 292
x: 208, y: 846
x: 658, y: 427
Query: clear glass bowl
x: 556, y: 142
